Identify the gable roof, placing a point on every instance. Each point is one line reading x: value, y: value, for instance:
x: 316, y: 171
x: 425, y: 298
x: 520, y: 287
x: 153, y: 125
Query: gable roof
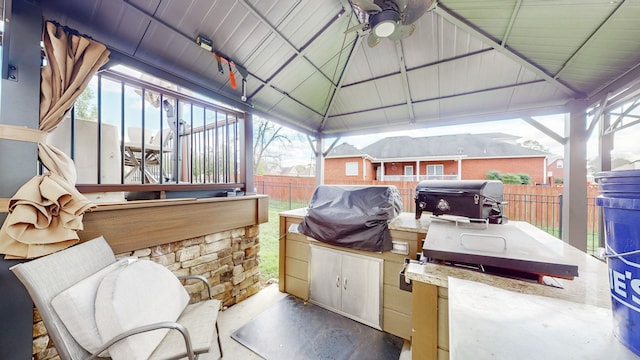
x: 461, y: 145
x: 345, y: 150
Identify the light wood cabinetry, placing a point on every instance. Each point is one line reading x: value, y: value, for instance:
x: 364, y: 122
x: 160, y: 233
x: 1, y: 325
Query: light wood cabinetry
x: 430, y: 330
x: 349, y: 284
x: 396, y: 303
x: 294, y: 260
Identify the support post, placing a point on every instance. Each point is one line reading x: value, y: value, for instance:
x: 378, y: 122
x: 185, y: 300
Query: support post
x: 574, y: 209
x: 319, y: 161
x: 19, y: 105
x: 604, y: 151
x: 247, y: 156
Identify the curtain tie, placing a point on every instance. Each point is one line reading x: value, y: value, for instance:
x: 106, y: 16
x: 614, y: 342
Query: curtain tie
x: 22, y: 133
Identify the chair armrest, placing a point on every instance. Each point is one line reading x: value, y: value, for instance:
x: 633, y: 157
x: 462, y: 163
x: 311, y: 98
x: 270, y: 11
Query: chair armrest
x: 145, y: 328
x: 198, y: 277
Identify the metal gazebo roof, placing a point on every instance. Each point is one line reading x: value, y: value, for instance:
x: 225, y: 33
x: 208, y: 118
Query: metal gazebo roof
x: 466, y: 61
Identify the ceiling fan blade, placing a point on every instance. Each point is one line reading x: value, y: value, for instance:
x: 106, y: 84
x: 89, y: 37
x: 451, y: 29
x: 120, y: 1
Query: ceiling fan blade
x: 402, y: 31
x: 356, y: 28
x: 415, y: 9
x: 402, y: 4
x: 373, y: 40
x: 366, y: 5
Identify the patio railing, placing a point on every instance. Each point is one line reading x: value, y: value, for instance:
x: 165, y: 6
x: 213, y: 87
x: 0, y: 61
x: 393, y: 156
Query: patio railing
x: 419, y: 177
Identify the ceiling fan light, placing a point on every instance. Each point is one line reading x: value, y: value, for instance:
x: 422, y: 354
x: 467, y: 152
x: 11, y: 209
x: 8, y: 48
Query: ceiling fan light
x: 385, y: 28
x: 384, y: 23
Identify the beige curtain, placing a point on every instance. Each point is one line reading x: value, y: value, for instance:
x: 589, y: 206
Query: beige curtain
x: 46, y: 212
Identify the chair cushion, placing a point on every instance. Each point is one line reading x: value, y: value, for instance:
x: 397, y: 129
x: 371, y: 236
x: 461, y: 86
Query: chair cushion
x: 142, y: 293
x: 199, y: 319
x: 75, y: 306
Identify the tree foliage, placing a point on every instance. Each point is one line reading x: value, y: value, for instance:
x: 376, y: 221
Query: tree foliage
x: 534, y: 144
x: 266, y: 134
x: 508, y: 178
x: 85, y: 105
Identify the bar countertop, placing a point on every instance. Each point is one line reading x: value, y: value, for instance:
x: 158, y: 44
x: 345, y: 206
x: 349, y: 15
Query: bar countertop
x: 493, y: 317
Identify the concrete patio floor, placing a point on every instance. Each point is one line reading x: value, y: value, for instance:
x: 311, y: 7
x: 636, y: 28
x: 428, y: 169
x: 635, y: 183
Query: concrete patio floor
x: 231, y: 319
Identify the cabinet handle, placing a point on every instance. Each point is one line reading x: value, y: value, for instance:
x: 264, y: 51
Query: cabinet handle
x: 345, y: 283
x: 338, y: 281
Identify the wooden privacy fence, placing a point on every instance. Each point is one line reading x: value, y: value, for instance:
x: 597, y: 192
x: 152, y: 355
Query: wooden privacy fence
x: 539, y: 205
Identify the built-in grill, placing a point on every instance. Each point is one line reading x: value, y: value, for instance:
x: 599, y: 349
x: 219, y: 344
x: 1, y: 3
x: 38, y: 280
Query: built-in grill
x: 356, y: 217
x: 475, y: 199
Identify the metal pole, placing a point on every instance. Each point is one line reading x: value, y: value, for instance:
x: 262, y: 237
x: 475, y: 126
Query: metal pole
x: 560, y: 217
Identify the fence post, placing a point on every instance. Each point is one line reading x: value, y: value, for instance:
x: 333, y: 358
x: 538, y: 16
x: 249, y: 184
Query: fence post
x: 290, y: 195
x: 560, y: 217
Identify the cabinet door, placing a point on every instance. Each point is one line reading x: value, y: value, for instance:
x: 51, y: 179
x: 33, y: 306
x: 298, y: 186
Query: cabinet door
x: 361, y: 288
x: 324, y: 277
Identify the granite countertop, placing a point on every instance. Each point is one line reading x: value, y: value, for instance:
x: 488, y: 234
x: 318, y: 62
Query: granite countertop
x: 407, y: 222
x: 487, y: 323
x: 590, y: 287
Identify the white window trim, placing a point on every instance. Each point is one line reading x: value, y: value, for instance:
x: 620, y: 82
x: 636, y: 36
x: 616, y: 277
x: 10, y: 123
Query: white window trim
x: 441, y: 166
x: 349, y: 168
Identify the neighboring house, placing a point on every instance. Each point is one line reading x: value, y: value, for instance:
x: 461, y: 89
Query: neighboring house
x: 555, y: 169
x: 299, y: 170
x: 448, y: 157
x: 345, y: 162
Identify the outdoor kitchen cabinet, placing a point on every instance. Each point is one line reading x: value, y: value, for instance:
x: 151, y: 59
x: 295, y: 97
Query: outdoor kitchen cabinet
x: 348, y: 284
x: 396, y: 303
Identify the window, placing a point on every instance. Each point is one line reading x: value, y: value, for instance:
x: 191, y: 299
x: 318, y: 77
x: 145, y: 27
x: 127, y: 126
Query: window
x: 435, y: 170
x: 128, y: 129
x: 560, y: 164
x: 408, y: 170
x: 352, y: 168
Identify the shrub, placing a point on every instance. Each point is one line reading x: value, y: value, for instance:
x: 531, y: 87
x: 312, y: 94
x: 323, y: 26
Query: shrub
x: 520, y: 179
x: 525, y: 179
x: 510, y: 179
x: 493, y: 175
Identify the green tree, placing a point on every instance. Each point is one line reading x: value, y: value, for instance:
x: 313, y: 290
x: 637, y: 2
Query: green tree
x: 85, y: 106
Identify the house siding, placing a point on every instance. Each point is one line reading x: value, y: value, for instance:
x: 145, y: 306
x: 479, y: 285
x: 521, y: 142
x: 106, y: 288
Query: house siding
x: 478, y: 168
x: 335, y: 169
x: 471, y: 169
x: 397, y: 168
x: 555, y: 171
x: 450, y: 167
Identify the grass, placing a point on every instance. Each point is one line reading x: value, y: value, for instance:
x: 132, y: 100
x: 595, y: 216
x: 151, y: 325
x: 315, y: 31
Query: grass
x: 269, y: 244
x: 269, y: 240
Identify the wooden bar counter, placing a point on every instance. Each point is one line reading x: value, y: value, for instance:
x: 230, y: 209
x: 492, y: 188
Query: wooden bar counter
x: 132, y: 225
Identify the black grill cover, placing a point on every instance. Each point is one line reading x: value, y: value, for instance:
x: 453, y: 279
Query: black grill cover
x: 352, y: 216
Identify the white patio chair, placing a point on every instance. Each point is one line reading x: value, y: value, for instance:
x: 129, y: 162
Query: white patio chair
x: 90, y: 302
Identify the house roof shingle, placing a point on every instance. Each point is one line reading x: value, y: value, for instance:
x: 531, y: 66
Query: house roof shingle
x: 467, y: 145
x: 345, y: 149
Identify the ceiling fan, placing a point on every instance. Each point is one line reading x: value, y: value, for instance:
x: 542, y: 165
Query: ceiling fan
x: 391, y: 19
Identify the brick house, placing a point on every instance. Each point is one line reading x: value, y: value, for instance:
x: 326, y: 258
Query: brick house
x: 447, y: 157
x: 555, y: 169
